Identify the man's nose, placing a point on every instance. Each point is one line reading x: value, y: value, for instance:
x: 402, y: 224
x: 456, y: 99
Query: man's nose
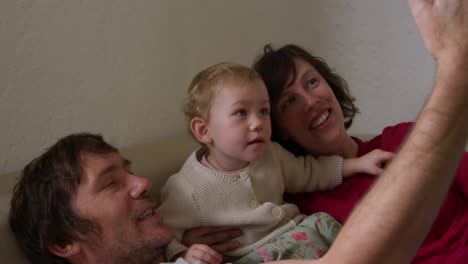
x: 139, y: 186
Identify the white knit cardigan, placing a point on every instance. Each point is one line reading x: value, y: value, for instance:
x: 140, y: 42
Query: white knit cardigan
x: 251, y: 199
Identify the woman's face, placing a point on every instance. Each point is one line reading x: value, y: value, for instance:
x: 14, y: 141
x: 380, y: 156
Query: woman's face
x: 308, y: 113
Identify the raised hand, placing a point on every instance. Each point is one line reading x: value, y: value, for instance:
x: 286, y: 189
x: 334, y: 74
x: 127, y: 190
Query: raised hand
x: 443, y: 25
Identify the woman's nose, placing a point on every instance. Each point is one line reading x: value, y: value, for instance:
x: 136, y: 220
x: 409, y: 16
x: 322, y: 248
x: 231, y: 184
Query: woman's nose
x: 139, y: 186
x: 311, y: 101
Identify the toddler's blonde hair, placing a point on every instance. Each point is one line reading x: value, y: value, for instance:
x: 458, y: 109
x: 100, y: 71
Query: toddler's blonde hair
x: 207, y: 83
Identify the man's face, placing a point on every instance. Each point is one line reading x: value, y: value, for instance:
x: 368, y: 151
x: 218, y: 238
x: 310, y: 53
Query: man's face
x: 118, y: 203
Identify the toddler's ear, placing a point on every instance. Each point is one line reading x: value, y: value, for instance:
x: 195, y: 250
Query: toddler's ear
x: 199, y: 129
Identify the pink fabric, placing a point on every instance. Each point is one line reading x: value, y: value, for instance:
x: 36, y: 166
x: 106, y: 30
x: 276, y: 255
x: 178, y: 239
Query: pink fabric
x: 447, y: 242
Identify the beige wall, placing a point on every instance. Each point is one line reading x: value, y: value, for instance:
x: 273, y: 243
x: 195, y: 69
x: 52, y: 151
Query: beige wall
x: 373, y: 44
x: 113, y: 67
x: 121, y: 67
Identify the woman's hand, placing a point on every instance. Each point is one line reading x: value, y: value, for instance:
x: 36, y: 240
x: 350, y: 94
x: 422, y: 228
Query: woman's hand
x: 202, y: 254
x: 218, y: 238
x: 372, y: 163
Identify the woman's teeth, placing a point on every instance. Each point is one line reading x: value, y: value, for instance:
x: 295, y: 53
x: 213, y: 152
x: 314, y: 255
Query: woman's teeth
x: 321, y: 119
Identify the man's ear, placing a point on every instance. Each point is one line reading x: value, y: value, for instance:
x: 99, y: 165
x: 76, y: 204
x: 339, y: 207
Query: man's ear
x: 66, y: 251
x: 199, y: 128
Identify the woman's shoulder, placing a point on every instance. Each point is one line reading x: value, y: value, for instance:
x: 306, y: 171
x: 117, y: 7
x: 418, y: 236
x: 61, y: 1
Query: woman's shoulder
x: 390, y: 139
x: 398, y: 130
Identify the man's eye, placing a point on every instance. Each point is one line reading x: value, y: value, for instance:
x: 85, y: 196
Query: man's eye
x: 109, y: 185
x: 129, y: 170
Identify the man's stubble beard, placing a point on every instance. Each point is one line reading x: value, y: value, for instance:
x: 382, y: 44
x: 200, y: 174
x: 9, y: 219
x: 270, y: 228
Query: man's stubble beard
x: 140, y: 252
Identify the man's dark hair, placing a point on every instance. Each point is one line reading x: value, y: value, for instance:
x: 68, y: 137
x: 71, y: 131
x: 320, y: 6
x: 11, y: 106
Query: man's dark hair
x: 276, y: 68
x: 41, y: 213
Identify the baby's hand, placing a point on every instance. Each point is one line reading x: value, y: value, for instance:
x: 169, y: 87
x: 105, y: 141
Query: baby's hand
x: 371, y: 163
x: 202, y: 254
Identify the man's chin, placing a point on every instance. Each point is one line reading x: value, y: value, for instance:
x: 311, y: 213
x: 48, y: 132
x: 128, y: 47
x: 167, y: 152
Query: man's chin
x: 141, y: 251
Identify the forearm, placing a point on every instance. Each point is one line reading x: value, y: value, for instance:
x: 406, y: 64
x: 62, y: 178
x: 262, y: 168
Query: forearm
x: 350, y: 167
x: 412, y: 189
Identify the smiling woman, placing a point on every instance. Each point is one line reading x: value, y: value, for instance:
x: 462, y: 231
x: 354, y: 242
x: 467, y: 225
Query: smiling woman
x: 311, y: 109
x: 299, y: 83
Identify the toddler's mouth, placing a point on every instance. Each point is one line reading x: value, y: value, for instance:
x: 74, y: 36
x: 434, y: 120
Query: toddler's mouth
x: 255, y: 141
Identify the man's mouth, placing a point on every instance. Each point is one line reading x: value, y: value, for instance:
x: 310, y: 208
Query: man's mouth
x: 320, y: 120
x: 147, y: 214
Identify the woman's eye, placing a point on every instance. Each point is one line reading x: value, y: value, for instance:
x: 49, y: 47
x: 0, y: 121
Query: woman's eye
x: 312, y: 82
x: 290, y: 100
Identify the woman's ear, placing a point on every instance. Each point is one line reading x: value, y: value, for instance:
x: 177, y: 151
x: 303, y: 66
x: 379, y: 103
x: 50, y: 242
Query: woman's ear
x: 69, y: 250
x: 199, y: 128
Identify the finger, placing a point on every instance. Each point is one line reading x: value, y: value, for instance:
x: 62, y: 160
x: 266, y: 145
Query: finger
x: 386, y: 156
x: 423, y: 14
x: 206, y: 254
x: 418, y: 6
x: 224, y: 235
x: 203, y: 235
x: 211, y: 258
x: 206, y: 230
x: 220, y: 237
x: 226, y: 246
x: 378, y: 170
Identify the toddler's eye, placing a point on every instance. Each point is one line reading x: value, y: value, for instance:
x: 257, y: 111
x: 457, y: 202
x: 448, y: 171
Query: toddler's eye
x: 241, y: 113
x: 265, y: 111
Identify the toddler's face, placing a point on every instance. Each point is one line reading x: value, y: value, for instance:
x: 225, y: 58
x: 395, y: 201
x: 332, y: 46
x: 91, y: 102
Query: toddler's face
x: 239, y: 124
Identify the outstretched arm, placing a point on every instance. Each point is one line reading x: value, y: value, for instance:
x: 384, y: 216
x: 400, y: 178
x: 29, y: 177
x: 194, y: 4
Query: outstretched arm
x: 392, y: 220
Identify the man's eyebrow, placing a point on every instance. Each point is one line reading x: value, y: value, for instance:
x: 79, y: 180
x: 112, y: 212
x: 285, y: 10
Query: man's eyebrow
x: 112, y: 167
x: 107, y: 170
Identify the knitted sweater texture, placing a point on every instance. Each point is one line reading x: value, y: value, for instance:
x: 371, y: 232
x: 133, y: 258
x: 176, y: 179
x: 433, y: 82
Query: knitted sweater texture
x: 251, y: 199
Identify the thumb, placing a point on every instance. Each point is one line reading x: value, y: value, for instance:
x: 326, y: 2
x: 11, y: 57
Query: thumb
x: 377, y: 170
x: 424, y: 18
